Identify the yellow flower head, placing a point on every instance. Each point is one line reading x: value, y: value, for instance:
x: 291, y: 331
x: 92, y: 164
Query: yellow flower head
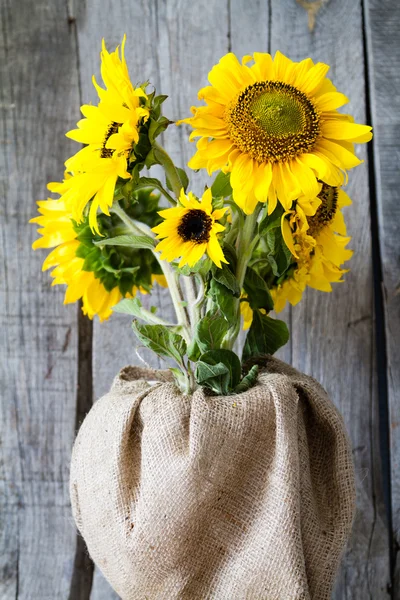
x: 57, y: 231
x: 99, y: 277
x: 190, y: 230
x: 275, y: 126
x: 110, y: 130
x: 319, y: 247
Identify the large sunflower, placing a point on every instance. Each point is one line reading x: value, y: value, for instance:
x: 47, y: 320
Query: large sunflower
x: 190, y: 230
x: 110, y: 131
x: 275, y: 126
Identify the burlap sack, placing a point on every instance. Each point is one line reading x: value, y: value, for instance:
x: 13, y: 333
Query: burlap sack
x: 222, y: 498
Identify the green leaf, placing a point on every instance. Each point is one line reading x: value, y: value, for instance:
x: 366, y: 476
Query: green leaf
x: 225, y: 277
x: 257, y: 291
x: 161, y: 340
x: 219, y: 370
x: 157, y: 127
x: 231, y: 256
x: 224, y: 300
x: 152, y: 182
x: 221, y: 185
x: 133, y: 241
x: 183, y: 179
x: 180, y: 378
x: 266, y: 336
x: 214, y: 377
x: 272, y: 221
x: 248, y: 381
x: 210, y: 331
x: 193, y: 351
x: 133, y: 306
x: 203, y: 267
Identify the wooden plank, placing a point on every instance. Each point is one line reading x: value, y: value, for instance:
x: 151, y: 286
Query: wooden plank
x: 332, y: 334
x: 382, y: 26
x: 113, y: 341
x: 39, y: 349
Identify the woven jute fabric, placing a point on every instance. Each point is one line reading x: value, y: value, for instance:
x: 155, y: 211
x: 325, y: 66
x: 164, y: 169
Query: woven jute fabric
x: 203, y: 497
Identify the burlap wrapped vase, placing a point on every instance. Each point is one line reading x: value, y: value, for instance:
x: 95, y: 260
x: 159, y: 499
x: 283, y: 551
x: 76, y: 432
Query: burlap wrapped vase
x: 222, y: 498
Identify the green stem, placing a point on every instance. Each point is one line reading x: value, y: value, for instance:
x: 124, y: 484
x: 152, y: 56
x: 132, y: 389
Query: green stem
x: 169, y: 168
x: 246, y: 244
x: 176, y: 296
x: 134, y: 226
x: 191, y: 298
x: 169, y: 274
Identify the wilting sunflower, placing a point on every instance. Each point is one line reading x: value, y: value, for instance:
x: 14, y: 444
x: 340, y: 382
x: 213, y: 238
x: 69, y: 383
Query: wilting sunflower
x: 100, y: 277
x: 275, y: 126
x: 190, y: 230
x: 320, y: 250
x: 111, y: 131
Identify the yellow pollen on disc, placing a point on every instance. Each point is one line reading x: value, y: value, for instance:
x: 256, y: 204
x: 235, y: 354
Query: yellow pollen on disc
x: 272, y: 121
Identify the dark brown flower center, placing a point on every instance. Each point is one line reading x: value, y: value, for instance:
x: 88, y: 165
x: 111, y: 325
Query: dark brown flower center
x: 326, y: 211
x: 195, y: 226
x: 272, y: 121
x: 108, y: 152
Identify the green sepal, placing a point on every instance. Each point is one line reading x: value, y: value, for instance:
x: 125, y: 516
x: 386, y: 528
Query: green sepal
x: 161, y: 340
x: 265, y: 336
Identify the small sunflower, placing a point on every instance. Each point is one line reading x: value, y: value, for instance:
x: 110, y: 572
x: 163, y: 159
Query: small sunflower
x: 100, y: 277
x: 190, y: 230
x: 110, y: 130
x: 275, y: 127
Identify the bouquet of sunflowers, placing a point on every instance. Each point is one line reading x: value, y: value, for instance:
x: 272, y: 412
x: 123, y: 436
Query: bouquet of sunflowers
x: 269, y: 225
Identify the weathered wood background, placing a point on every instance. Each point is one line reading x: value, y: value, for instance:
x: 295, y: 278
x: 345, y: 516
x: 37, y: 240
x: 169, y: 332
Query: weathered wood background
x: 54, y: 363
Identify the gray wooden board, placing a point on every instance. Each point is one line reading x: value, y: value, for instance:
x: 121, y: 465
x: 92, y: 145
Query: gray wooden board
x: 39, y: 341
x: 332, y: 335
x: 383, y: 51
x: 174, y: 44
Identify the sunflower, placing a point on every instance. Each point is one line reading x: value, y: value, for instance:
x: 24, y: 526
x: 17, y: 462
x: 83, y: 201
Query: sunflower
x: 319, y: 249
x: 190, y: 230
x: 100, y: 277
x: 58, y: 232
x: 110, y: 130
x: 275, y: 127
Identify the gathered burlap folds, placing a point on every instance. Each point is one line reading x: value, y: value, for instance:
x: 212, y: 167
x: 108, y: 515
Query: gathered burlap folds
x: 201, y: 497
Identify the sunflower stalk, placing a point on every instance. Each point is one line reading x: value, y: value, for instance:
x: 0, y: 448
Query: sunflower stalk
x: 170, y: 275
x: 246, y: 243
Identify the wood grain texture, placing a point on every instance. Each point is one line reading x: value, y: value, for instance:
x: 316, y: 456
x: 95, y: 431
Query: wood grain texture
x: 383, y: 52
x: 333, y: 334
x: 49, y: 51
x: 39, y: 335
